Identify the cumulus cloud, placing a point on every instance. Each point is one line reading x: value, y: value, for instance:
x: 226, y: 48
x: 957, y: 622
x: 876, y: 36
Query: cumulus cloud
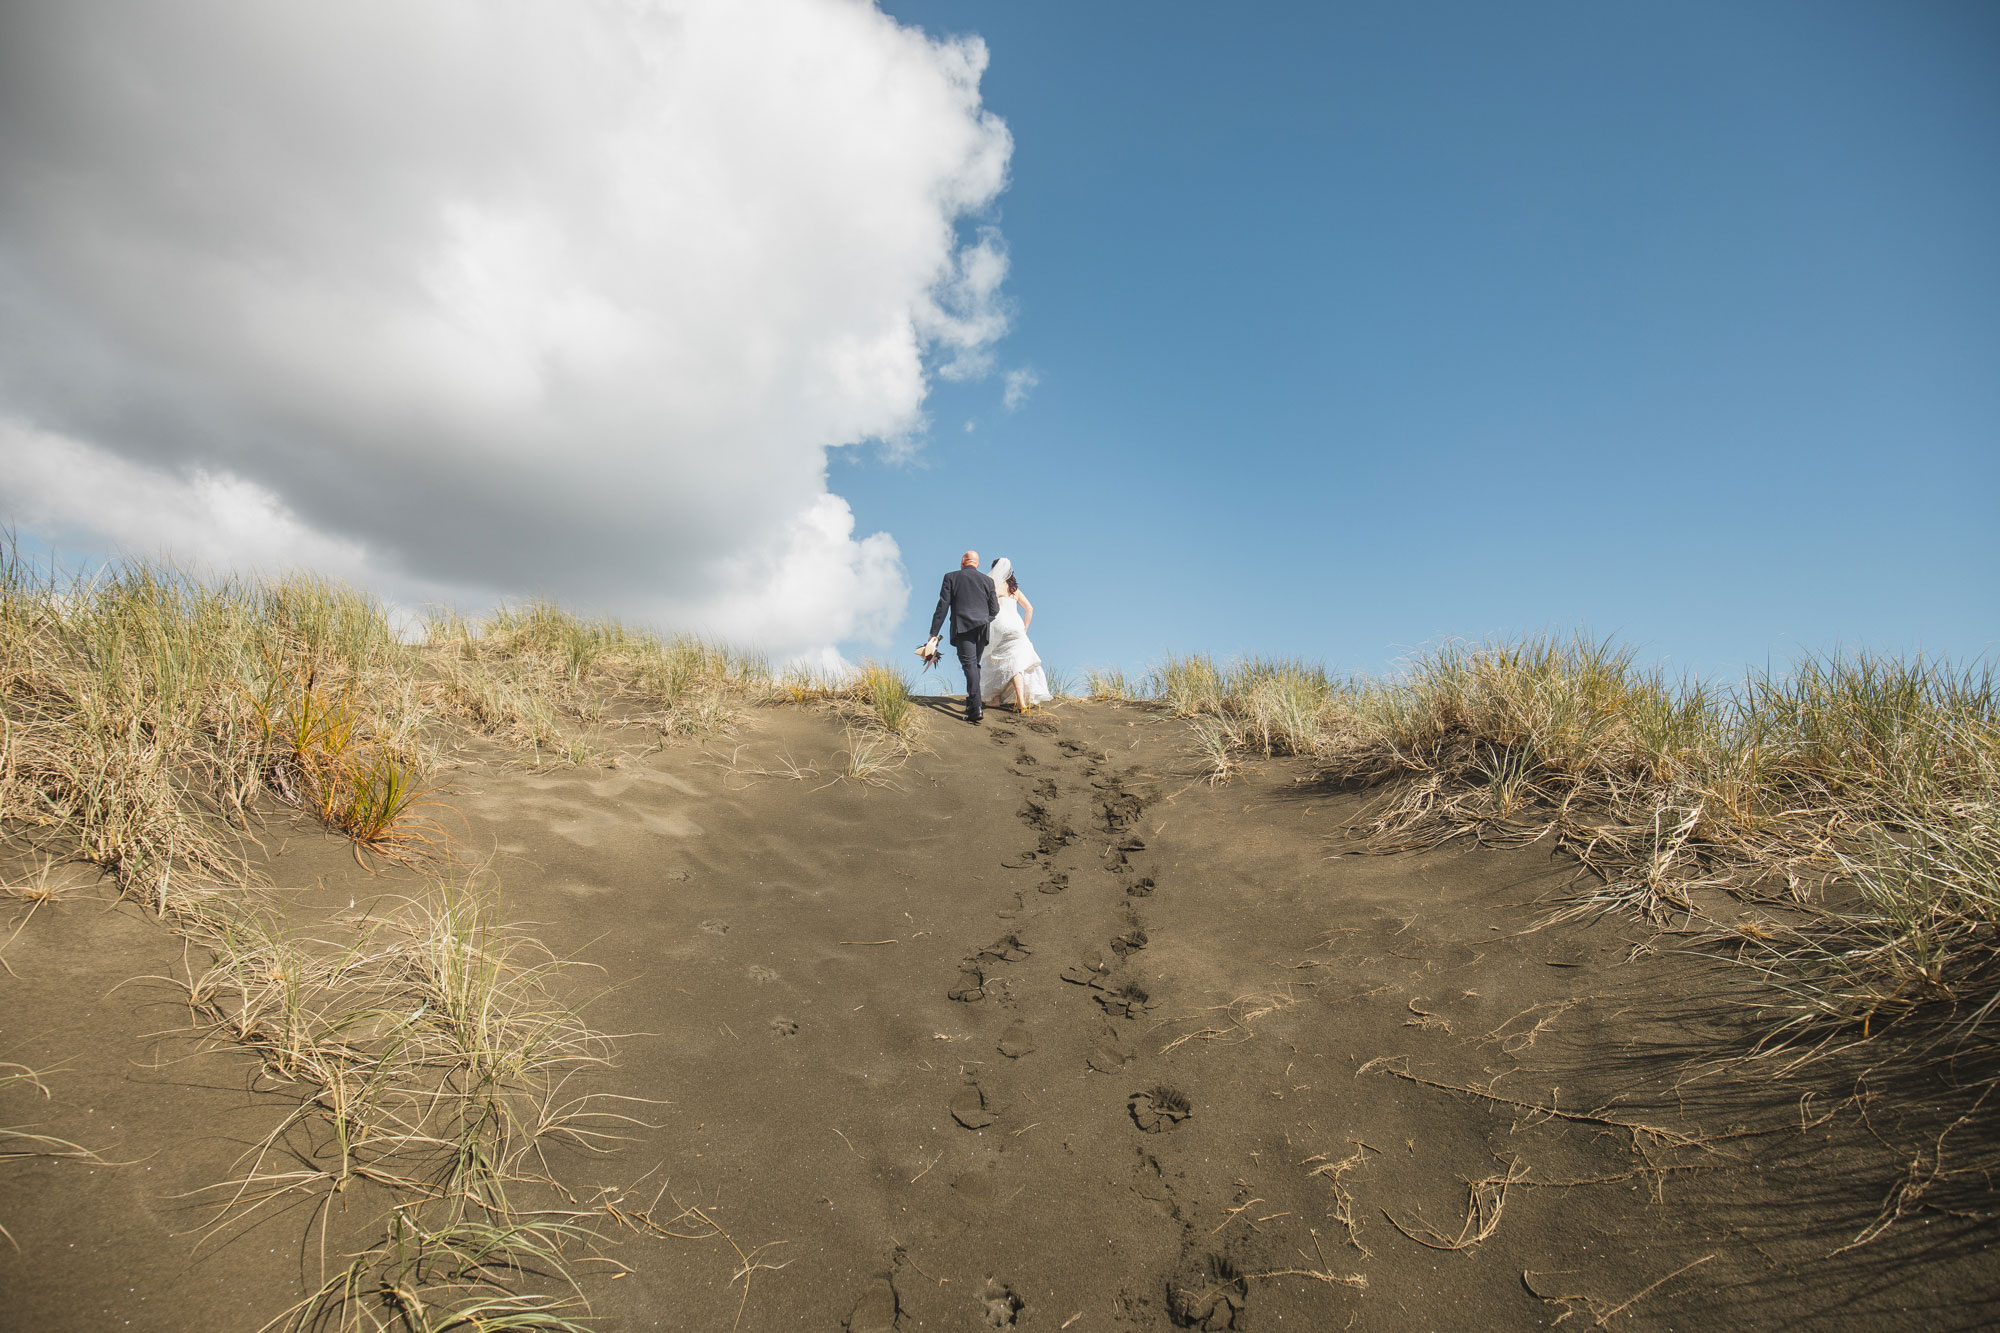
x: 472, y: 299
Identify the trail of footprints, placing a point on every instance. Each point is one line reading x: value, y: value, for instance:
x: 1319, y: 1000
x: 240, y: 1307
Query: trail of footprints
x: 1206, y: 1289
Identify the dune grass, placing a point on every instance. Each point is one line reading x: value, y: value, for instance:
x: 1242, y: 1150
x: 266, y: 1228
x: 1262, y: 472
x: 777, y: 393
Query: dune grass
x: 143, y: 712
x: 147, y: 720
x: 1109, y: 683
x: 428, y: 1058
x: 886, y: 692
x: 1865, y: 790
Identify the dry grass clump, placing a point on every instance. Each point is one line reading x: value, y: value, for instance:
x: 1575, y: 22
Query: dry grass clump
x: 805, y: 683
x: 1266, y: 706
x: 885, y: 727
x: 886, y: 692
x: 429, y: 1059
x: 528, y: 673
x: 883, y: 724
x: 146, y: 716
x: 1109, y: 683
x: 143, y: 711
x: 1865, y: 788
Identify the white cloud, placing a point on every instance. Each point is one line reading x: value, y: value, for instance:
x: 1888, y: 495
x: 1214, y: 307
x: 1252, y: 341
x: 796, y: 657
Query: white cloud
x: 1019, y: 384
x: 563, y: 296
x: 202, y: 520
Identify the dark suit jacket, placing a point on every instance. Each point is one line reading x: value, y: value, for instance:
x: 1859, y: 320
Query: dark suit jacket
x: 972, y: 601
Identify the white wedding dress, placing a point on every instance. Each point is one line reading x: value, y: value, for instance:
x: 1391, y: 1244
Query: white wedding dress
x: 1009, y: 654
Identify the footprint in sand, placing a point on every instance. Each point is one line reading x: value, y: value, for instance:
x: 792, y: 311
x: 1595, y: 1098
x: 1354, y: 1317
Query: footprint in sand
x: 1121, y: 809
x: 1141, y: 887
x: 1127, y: 999
x: 1159, y: 1109
x: 1055, y: 883
x: 1006, y: 949
x: 878, y: 1308
x: 1131, y: 941
x: 970, y: 986
x: 1106, y: 1056
x: 784, y: 1027
x: 716, y: 927
x: 1016, y: 1041
x: 976, y: 1184
x: 1003, y: 1308
x: 760, y: 974
x: 972, y: 1109
x: 974, y: 985
x: 1208, y: 1292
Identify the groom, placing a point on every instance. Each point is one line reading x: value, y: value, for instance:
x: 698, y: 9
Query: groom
x: 972, y: 601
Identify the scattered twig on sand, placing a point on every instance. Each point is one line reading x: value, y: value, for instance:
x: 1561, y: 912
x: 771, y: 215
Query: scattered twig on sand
x: 1343, y: 1199
x: 1324, y: 1273
x: 849, y: 1142
x: 1426, y: 1019
x: 1484, y: 1201
x: 1231, y: 1214
x: 642, y: 1221
x: 870, y: 943
x: 20, y: 1141
x: 1924, y: 1170
x: 1514, y: 1042
x: 1601, y: 1315
x: 927, y: 1169
x: 903, y: 1253
x: 1671, y: 1138
x: 788, y: 769
x: 1241, y: 1013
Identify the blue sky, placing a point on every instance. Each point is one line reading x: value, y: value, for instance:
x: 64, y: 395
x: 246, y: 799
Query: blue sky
x: 1363, y: 325
x: 1351, y: 327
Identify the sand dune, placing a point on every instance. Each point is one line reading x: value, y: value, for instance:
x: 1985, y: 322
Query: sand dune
x: 1044, y: 1032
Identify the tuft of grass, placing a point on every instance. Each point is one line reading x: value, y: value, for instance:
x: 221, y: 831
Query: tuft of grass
x: 143, y: 711
x: 433, y: 1057
x: 887, y: 692
x: 872, y: 756
x: 1109, y: 684
x: 1863, y: 789
x: 456, y: 1274
x: 1189, y: 686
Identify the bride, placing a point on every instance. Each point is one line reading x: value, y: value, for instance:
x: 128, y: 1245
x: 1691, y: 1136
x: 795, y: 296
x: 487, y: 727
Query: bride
x: 1010, y: 665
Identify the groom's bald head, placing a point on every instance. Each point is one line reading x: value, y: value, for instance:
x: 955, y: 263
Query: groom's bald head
x: 970, y: 560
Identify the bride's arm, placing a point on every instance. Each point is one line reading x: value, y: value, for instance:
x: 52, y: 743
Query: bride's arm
x: 1027, y: 609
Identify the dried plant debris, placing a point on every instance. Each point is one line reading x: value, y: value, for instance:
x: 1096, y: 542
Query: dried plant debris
x: 1208, y: 1292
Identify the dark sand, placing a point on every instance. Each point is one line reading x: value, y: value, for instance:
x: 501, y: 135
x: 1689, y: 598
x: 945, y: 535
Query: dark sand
x: 1047, y: 1035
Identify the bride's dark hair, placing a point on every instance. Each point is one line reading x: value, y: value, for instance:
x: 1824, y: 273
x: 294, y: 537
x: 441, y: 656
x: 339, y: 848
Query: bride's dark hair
x: 1013, y: 584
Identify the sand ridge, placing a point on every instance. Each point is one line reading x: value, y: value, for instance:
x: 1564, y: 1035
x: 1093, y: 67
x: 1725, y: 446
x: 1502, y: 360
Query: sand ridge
x: 1049, y: 1034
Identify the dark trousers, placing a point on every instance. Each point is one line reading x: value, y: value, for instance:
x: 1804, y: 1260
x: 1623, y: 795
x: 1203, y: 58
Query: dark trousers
x: 969, y: 649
